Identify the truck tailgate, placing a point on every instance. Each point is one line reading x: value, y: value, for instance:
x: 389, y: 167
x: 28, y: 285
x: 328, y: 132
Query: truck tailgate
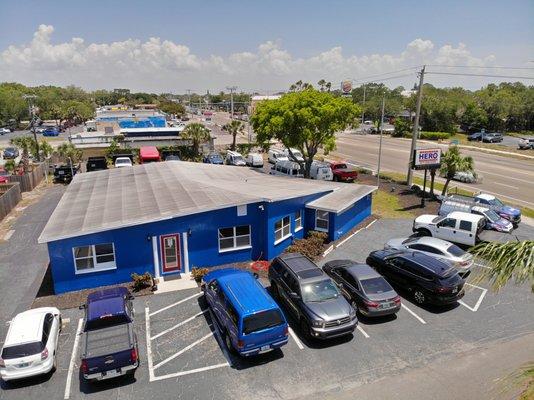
x: 107, y: 341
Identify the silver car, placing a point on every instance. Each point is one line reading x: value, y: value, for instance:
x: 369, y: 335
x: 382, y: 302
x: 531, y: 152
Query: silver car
x: 437, y: 248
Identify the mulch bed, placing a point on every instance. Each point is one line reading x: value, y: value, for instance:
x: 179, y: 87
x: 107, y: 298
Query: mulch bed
x: 409, y: 199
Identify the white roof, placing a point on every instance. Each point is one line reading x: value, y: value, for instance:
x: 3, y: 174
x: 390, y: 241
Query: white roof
x: 340, y: 200
x: 260, y: 98
x: 27, y: 326
x: 485, y: 196
x: 465, y: 216
x: 120, y: 197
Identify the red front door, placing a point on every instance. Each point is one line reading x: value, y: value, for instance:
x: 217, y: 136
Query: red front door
x: 170, y: 252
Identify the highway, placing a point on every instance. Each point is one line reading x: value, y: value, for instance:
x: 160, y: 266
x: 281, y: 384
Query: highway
x: 508, y: 178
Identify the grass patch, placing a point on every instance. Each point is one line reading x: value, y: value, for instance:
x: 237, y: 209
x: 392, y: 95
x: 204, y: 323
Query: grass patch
x: 387, y: 205
x: 527, y: 212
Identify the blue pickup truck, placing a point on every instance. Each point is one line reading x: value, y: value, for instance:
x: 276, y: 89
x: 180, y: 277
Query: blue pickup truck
x: 109, y: 343
x: 489, y: 201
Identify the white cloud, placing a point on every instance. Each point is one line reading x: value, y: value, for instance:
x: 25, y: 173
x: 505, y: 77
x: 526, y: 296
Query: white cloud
x: 163, y: 65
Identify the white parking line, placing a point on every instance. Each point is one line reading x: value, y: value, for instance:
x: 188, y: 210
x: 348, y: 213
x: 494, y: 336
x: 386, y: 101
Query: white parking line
x: 73, y: 359
x: 186, y: 348
x: 175, y: 304
x: 149, y: 346
x: 414, y: 314
x: 479, y: 301
x: 295, y: 338
x: 178, y: 325
x: 8, y: 235
x: 362, y: 331
x: 191, y: 371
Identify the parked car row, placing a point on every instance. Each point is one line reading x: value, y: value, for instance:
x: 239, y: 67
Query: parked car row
x: 486, y: 137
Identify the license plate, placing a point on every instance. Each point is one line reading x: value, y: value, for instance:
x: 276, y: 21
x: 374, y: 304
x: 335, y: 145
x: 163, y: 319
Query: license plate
x: 387, y: 305
x: 265, y: 349
x: 455, y: 290
x: 112, y: 373
x: 61, y: 172
x: 23, y: 365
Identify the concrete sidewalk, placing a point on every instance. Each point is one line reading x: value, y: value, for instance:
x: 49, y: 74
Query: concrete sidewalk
x: 477, y: 374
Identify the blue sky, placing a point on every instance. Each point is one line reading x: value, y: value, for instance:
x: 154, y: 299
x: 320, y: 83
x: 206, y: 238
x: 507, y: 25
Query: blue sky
x: 298, y: 30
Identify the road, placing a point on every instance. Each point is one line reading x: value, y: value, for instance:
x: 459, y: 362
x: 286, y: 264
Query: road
x: 506, y: 177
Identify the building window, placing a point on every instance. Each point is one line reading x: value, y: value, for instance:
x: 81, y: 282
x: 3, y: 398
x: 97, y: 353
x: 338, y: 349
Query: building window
x: 96, y: 257
x: 298, y: 220
x: 234, y: 238
x: 282, y: 229
x: 321, y: 220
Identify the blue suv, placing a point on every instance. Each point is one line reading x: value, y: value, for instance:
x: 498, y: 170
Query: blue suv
x: 250, y: 320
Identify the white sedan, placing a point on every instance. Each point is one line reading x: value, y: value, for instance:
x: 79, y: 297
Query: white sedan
x: 31, y: 344
x: 4, y: 131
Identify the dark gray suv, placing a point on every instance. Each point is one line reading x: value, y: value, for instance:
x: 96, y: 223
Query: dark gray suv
x: 311, y: 297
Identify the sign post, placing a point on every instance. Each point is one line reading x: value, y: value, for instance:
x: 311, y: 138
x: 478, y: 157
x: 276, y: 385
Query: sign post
x: 427, y: 159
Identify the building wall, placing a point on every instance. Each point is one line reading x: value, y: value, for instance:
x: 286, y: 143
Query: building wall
x: 344, y: 222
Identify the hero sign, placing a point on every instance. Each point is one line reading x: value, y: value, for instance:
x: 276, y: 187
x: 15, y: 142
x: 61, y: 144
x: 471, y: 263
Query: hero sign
x: 427, y: 158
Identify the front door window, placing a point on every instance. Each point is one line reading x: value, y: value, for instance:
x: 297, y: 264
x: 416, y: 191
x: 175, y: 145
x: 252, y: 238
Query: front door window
x: 170, y: 252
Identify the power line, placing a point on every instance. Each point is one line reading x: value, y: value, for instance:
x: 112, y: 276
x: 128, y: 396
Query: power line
x: 385, y: 73
x: 471, y: 66
x: 482, y: 75
x: 386, y: 79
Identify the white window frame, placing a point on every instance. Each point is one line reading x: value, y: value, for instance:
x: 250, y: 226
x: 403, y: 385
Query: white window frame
x: 298, y: 221
x: 322, y: 219
x: 97, y: 267
x: 235, y: 236
x: 288, y: 226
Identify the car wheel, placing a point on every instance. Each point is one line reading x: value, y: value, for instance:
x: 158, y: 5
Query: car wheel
x: 336, y: 178
x: 228, y: 342
x: 419, y: 297
x: 423, y: 232
x: 54, y: 366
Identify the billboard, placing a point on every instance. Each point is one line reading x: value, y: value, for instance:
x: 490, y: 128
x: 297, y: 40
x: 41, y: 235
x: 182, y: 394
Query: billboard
x: 426, y: 158
x: 346, y: 87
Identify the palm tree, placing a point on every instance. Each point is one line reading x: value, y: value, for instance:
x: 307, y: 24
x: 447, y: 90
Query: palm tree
x: 45, y: 148
x: 452, y: 162
x: 70, y: 153
x: 507, y: 261
x: 27, y: 145
x: 197, y: 133
x: 233, y: 128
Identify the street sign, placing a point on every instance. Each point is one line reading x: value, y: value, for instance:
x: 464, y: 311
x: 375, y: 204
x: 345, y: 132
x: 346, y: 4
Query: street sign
x: 426, y: 159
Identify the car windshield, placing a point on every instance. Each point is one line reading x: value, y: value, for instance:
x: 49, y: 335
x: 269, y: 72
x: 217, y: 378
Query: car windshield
x: 319, y: 291
x: 437, y: 219
x: 22, y: 350
x: 262, y: 320
x: 296, y: 153
x: 123, y: 161
x: 375, y: 285
x: 215, y: 157
x: 455, y: 251
x: 238, y: 158
x: 341, y: 166
x: 496, y: 202
x: 492, y: 216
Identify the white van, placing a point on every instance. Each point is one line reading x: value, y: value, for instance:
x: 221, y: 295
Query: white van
x: 254, y: 160
x: 321, y: 171
x: 234, y: 158
x: 276, y: 155
x: 456, y: 227
x: 297, y: 155
x: 287, y: 168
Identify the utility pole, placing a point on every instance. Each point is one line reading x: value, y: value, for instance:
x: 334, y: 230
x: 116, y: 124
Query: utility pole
x: 189, y: 103
x: 363, y: 104
x: 32, y: 123
x: 231, y: 89
x: 380, y: 143
x: 415, y: 133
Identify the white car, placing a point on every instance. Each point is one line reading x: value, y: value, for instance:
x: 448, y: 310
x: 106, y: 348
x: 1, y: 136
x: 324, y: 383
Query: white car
x: 31, y: 344
x: 4, y: 131
x: 254, y: 160
x: 276, y: 155
x: 437, y: 248
x: 297, y: 155
x: 122, y: 162
x: 457, y: 227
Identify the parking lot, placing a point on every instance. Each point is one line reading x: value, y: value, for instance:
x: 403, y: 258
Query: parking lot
x: 183, y: 356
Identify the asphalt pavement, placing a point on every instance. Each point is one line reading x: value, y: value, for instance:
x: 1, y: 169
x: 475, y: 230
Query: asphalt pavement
x: 508, y: 178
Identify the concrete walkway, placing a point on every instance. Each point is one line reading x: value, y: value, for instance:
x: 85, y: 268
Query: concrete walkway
x: 478, y: 374
x: 23, y: 262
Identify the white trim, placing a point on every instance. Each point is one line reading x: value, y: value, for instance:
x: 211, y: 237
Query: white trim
x: 299, y: 229
x: 322, y: 219
x: 282, y: 239
x: 234, y: 237
x: 73, y: 358
x: 235, y: 249
x: 97, y: 267
x: 300, y: 219
x: 155, y: 256
x: 288, y: 225
x: 186, y: 252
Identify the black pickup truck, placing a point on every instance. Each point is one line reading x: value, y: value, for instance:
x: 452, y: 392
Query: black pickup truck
x: 109, y: 343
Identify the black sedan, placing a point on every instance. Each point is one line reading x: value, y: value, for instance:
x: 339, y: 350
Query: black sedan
x: 428, y: 279
x: 365, y: 289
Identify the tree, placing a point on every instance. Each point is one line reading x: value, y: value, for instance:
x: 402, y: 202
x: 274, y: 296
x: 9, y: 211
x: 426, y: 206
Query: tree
x: 70, y: 153
x: 452, y: 162
x: 27, y: 145
x: 45, y: 148
x: 234, y: 127
x: 197, y: 133
x: 171, y: 107
x: 113, y: 148
x: 402, y: 127
x: 507, y: 261
x: 306, y: 120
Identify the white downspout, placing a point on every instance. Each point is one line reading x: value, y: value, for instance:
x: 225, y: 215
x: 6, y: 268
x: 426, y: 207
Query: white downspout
x: 186, y: 254
x: 155, y: 255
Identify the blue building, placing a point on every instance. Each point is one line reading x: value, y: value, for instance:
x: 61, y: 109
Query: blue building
x: 168, y: 217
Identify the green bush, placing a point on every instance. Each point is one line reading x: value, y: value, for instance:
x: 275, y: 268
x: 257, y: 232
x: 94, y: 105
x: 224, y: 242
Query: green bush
x: 435, y: 135
x: 141, y: 281
x: 311, y: 246
x: 198, y: 273
x: 403, y: 128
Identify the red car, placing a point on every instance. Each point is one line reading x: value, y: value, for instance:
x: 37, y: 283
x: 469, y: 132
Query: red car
x: 342, y: 173
x: 4, y: 176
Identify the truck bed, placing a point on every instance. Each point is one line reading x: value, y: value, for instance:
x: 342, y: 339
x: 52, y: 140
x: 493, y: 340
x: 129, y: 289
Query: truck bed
x: 108, y: 341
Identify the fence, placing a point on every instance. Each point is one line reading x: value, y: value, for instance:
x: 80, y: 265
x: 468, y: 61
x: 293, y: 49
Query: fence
x: 30, y: 180
x: 9, y: 198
